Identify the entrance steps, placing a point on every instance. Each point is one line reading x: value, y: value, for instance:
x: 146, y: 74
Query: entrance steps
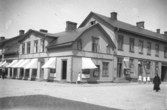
x: 120, y: 80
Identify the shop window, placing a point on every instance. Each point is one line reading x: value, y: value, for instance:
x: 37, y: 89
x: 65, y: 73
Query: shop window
x: 165, y: 52
x: 79, y: 44
x: 157, y: 50
x: 35, y: 46
x: 120, y: 42
x: 141, y: 46
x: 23, y: 48
x: 28, y: 47
x: 95, y: 44
x: 86, y: 71
x: 156, y: 67
x: 52, y: 70
x: 96, y: 72
x: 132, y: 43
x: 148, y: 48
x: 105, y: 72
x: 131, y: 65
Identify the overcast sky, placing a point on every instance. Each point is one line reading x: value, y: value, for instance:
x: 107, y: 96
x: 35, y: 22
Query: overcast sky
x: 51, y: 15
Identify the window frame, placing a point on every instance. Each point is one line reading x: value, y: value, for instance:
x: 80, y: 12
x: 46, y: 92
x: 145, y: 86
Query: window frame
x: 108, y: 51
x: 165, y: 52
x: 42, y: 45
x: 95, y: 44
x: 141, y: 46
x: 131, y: 44
x: 35, y: 46
x: 131, y: 65
x: 79, y: 44
x: 28, y: 47
x: 120, y: 44
x: 23, y: 48
x: 148, y: 48
x: 157, y: 50
x: 105, y: 70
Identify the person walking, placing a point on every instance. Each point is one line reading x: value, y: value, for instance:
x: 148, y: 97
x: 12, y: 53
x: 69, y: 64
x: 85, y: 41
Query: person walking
x: 79, y: 78
x: 156, y: 82
x: 3, y: 73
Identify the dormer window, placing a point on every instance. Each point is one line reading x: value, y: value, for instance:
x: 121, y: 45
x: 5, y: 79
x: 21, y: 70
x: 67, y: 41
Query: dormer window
x: 79, y: 44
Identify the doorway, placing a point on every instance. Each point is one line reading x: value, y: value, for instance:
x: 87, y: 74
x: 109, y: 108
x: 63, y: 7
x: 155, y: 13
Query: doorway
x: 119, y: 67
x: 64, y: 69
x: 164, y: 73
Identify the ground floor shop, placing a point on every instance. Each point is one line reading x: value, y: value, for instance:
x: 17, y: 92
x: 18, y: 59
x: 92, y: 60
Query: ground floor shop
x: 132, y: 68
x: 62, y: 69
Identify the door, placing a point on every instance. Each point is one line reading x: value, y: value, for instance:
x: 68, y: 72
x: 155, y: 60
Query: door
x: 64, y: 69
x: 119, y: 67
x: 164, y: 73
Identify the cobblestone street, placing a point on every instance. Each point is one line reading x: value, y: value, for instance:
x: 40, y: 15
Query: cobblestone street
x: 33, y: 95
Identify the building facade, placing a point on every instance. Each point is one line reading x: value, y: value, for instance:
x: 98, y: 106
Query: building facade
x: 139, y: 52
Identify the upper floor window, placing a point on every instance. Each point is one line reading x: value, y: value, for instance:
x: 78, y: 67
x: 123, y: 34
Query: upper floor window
x: 35, y: 46
x: 105, y: 72
x: 79, y: 44
x: 28, y: 47
x: 165, y: 52
x: 148, y: 48
x: 95, y: 44
x: 157, y: 50
x: 120, y: 42
x: 141, y: 44
x: 132, y: 44
x: 108, y: 49
x: 23, y: 48
x: 42, y: 45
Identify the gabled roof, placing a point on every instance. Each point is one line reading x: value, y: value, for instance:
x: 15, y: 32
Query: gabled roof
x: 126, y: 27
x: 69, y: 37
x: 37, y: 32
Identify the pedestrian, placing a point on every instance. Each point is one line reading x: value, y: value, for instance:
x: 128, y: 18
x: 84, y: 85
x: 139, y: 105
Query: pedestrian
x: 144, y: 79
x: 3, y: 73
x: 156, y: 82
x: 79, y: 79
x: 140, y: 79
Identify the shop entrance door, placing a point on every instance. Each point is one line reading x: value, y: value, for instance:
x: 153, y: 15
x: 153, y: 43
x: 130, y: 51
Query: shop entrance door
x: 164, y: 73
x: 64, y: 69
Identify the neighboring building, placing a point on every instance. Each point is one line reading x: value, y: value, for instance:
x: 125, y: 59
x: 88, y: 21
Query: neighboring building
x: 62, y: 56
x: 138, y: 50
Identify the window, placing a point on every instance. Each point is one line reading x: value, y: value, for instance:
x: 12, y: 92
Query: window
x: 156, y: 67
x: 42, y: 45
x: 165, y: 52
x: 105, y: 69
x: 120, y: 42
x: 28, y: 47
x: 96, y: 72
x: 148, y: 48
x: 52, y: 70
x: 23, y: 48
x: 35, y: 46
x: 140, y: 46
x: 157, y: 50
x: 79, y: 44
x: 95, y: 44
x: 119, y: 67
x: 108, y: 49
x: 131, y: 45
x: 86, y: 71
x: 131, y: 65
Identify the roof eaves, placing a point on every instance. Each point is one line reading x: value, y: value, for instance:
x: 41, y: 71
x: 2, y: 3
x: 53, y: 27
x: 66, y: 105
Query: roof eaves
x: 60, y: 45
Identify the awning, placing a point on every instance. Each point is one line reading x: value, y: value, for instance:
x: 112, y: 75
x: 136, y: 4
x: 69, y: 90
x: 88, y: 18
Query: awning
x: 32, y: 65
x: 2, y: 63
x: 88, y: 64
x: 51, y: 63
x: 16, y: 64
x: 13, y: 62
x: 24, y: 63
x: 6, y: 64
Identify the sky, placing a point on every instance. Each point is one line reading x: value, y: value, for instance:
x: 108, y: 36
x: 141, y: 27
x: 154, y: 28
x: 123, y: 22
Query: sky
x: 52, y: 15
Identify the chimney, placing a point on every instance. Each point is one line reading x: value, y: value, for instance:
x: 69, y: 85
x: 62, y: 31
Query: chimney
x: 70, y: 25
x: 43, y: 30
x: 2, y: 38
x: 158, y: 31
x: 113, y: 15
x: 165, y: 33
x: 21, y: 32
x: 140, y: 24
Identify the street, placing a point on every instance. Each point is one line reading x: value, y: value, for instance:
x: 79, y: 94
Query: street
x: 34, y: 95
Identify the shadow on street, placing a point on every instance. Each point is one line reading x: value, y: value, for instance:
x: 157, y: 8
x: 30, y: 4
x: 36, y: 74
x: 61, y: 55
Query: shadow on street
x: 45, y: 102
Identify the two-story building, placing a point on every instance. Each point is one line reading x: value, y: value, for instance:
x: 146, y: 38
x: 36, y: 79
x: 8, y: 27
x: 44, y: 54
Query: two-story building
x: 138, y: 51
x: 62, y: 56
